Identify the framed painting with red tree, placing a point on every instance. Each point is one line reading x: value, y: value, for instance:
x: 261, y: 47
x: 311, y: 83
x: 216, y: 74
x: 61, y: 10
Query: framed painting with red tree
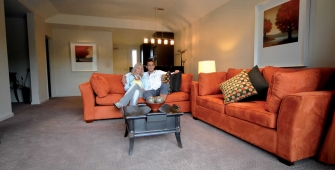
x: 83, y: 56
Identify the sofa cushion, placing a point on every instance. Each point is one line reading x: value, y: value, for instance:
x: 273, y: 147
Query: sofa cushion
x: 166, y: 78
x: 212, y: 102
x: 99, y: 85
x: 209, y: 82
x: 108, y: 100
x: 186, y: 81
x: 175, y: 81
x: 252, y: 112
x: 177, y: 96
x: 233, y: 72
x: 270, y: 70
x: 237, y: 88
x: 285, y: 83
x: 258, y: 81
x: 114, y: 80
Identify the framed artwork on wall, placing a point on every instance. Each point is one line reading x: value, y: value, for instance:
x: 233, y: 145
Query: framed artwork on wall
x: 83, y: 56
x: 281, y: 33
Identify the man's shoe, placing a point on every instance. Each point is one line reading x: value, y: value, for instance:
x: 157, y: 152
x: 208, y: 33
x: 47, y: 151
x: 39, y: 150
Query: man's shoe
x: 117, y: 105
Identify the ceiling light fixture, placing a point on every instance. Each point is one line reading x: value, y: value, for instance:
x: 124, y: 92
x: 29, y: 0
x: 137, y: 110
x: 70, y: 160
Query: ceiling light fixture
x: 155, y: 36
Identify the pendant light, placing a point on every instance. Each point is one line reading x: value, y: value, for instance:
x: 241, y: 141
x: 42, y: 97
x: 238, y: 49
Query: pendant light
x: 155, y: 37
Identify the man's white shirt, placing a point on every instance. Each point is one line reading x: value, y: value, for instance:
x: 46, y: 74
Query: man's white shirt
x: 153, y: 80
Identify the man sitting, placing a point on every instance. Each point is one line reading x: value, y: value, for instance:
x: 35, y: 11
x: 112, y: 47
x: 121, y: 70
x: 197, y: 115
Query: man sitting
x: 153, y: 79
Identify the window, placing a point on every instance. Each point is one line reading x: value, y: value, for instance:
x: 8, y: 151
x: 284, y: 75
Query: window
x: 134, y: 57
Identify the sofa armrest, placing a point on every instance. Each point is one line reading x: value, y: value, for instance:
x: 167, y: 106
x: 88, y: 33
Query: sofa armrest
x: 300, y: 124
x: 194, y: 94
x: 88, y: 101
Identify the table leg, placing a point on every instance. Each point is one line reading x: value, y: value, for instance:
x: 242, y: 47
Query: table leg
x: 178, y: 139
x: 131, y: 145
x: 126, y: 132
x: 177, y: 133
x: 131, y: 136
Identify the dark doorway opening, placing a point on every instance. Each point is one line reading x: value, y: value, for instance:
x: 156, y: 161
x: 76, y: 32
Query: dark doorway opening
x: 47, y: 39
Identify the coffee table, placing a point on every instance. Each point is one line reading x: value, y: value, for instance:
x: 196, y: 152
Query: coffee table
x: 141, y: 122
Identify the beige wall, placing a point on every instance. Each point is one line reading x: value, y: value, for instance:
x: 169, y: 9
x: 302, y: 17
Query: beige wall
x: 226, y: 35
x: 64, y: 81
x: 5, y: 104
x: 123, y: 57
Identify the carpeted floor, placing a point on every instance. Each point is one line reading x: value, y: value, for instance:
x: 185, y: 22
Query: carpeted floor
x: 53, y: 136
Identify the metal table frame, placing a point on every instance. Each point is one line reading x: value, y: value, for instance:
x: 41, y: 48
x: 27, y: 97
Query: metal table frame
x: 140, y: 122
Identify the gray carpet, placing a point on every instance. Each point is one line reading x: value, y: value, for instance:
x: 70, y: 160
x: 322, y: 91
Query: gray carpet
x: 53, y: 135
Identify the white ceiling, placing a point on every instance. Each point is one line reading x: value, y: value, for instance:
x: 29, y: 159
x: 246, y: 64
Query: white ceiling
x: 134, y: 17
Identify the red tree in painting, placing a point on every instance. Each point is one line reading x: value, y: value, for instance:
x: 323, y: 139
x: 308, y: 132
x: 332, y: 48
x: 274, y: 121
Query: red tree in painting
x: 267, y: 27
x: 81, y: 52
x: 288, y: 17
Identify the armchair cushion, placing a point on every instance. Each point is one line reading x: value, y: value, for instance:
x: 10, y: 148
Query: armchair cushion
x: 209, y: 82
x: 186, y: 81
x: 285, y: 83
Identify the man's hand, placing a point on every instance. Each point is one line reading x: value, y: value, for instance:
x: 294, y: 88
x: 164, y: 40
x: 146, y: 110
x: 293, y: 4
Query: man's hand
x: 124, y: 81
x: 176, y: 71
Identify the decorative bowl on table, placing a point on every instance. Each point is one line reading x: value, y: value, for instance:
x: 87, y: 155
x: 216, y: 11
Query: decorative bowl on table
x: 154, y: 103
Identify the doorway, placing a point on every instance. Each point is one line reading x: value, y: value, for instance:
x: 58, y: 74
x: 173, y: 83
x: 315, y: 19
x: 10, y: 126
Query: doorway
x: 120, y: 61
x: 47, y: 50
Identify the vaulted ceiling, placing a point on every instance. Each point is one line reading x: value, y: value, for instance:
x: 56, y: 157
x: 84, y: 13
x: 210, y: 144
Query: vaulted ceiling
x: 133, y: 17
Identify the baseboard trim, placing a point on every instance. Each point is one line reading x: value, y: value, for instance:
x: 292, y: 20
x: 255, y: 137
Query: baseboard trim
x: 45, y: 100
x: 40, y: 102
x: 6, y: 116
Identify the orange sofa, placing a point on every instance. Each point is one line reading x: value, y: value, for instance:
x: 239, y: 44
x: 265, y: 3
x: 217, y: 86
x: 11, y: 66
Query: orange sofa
x: 103, y: 90
x: 292, y: 133
x: 327, y: 152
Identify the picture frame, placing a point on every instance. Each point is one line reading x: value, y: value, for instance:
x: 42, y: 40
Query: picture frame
x: 83, y: 56
x: 293, y: 54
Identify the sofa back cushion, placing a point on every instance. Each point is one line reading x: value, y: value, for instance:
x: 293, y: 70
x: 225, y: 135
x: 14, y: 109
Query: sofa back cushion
x: 233, y: 72
x: 270, y: 70
x: 99, y: 85
x: 209, y: 82
x: 114, y: 81
x: 285, y: 83
x: 186, y: 81
x: 116, y: 86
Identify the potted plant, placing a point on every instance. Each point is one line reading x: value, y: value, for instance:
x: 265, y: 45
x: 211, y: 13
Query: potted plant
x: 25, y: 90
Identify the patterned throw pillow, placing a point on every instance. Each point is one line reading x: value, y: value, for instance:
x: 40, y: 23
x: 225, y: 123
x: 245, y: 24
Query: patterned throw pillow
x: 173, y: 80
x: 166, y: 78
x: 237, y: 88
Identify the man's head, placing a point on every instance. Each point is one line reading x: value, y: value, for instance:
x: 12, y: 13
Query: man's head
x: 150, y: 65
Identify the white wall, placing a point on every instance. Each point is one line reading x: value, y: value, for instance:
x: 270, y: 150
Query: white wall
x: 5, y: 104
x: 64, y: 81
x: 37, y: 29
x: 226, y: 35
x: 322, y: 34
